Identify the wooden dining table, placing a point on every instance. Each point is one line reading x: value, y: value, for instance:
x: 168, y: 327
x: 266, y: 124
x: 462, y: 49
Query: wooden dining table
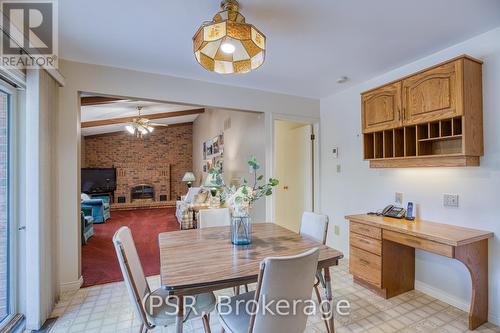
x: 204, y: 260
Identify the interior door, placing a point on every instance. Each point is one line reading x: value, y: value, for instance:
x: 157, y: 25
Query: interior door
x: 432, y: 95
x: 381, y: 108
x: 294, y: 169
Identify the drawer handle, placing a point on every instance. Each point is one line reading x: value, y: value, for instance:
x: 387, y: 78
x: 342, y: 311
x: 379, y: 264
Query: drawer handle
x: 364, y: 262
x: 364, y: 229
x: 364, y: 241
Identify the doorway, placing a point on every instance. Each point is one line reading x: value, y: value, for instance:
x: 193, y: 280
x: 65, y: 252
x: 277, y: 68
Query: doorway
x: 294, y: 167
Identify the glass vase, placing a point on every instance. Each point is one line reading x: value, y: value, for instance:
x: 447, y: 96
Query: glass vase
x: 241, y: 230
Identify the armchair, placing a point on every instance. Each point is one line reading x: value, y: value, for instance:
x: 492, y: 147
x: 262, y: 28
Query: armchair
x: 184, y: 208
x: 99, y: 206
x: 87, y: 224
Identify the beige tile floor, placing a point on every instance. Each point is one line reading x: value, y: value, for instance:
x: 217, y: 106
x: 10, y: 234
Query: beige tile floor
x: 107, y: 308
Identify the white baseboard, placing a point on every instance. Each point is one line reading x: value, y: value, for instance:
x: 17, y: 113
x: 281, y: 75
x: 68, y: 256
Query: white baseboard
x: 450, y: 299
x: 71, y: 286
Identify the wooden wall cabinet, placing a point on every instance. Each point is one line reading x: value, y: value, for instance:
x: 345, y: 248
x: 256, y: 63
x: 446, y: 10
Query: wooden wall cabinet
x: 431, y: 118
x: 382, y: 108
x: 433, y: 95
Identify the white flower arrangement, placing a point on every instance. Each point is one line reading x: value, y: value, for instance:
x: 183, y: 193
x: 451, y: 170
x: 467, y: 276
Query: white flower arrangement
x: 241, y: 198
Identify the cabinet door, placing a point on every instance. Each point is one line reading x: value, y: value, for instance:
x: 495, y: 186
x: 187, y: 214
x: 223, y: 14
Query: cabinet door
x: 434, y: 94
x: 381, y: 108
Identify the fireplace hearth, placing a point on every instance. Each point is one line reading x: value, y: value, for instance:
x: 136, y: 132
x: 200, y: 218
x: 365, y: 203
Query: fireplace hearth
x: 142, y: 192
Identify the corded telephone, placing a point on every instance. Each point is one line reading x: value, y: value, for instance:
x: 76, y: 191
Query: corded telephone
x: 393, y: 211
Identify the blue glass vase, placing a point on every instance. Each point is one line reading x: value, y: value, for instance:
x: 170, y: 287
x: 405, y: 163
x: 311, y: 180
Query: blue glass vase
x: 241, y: 230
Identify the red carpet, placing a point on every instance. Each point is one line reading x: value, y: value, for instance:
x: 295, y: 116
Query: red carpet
x: 99, y: 262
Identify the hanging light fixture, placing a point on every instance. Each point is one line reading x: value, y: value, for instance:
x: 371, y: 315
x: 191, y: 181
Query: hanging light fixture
x: 228, y: 44
x: 141, y: 126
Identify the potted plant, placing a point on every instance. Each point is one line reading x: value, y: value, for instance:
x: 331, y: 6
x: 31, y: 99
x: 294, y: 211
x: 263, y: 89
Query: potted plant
x: 241, y: 198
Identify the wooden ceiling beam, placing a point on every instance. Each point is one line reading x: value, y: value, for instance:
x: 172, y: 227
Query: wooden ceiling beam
x: 164, y: 115
x: 98, y: 100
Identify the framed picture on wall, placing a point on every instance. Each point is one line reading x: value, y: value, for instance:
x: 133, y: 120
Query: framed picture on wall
x: 213, y: 153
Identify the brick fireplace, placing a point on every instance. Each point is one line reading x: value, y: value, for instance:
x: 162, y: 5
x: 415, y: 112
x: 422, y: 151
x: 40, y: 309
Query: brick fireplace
x: 154, y: 164
x: 142, y: 192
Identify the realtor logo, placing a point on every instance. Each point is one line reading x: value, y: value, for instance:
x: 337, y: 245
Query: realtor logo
x: 29, y: 38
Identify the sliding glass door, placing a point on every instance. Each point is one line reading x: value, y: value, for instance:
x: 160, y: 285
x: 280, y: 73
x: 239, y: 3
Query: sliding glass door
x: 7, y: 232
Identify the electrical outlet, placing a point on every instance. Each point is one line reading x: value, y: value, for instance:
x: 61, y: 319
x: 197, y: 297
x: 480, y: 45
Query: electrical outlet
x: 450, y: 200
x: 398, y: 198
x: 336, y: 230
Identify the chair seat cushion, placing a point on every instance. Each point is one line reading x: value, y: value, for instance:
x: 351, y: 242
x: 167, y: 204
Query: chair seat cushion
x: 106, y: 205
x: 164, y: 314
x: 238, y: 320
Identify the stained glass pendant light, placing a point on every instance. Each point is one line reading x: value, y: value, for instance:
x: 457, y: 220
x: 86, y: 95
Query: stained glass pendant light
x: 228, y: 44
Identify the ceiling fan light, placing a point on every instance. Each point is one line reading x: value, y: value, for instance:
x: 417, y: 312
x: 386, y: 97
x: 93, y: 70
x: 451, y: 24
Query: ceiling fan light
x: 130, y: 129
x: 143, y: 130
x: 151, y: 129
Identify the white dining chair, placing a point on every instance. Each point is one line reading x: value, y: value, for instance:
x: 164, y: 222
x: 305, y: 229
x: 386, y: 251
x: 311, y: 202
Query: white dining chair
x: 145, y: 301
x: 217, y: 217
x: 316, y: 226
x: 298, y: 272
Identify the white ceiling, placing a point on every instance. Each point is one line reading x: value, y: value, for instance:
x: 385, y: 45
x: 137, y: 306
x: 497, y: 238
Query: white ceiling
x: 310, y: 43
x: 128, y: 109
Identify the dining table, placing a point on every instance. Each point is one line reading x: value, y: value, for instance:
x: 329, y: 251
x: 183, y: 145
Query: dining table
x: 204, y: 260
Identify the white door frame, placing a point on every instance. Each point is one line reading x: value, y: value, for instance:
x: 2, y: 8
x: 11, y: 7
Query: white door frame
x: 271, y: 162
x: 12, y: 188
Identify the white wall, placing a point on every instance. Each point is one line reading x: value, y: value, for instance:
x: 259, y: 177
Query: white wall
x: 241, y: 141
x: 120, y: 82
x: 359, y: 189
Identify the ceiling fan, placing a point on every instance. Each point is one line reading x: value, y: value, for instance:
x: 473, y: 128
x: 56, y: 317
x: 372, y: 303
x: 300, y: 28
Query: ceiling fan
x: 141, y: 126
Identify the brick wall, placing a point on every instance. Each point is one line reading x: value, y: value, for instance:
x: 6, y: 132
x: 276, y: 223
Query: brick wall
x: 3, y: 205
x: 159, y: 159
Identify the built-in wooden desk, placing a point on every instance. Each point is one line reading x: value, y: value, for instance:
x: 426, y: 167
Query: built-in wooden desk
x: 382, y: 255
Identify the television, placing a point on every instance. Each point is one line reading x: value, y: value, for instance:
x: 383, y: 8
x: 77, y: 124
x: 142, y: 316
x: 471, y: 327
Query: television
x: 98, y: 180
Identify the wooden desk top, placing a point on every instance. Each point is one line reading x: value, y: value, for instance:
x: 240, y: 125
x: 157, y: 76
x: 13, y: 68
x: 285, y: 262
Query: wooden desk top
x: 203, y: 257
x: 438, y: 232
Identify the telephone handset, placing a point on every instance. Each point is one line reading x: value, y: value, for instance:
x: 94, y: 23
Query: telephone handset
x: 393, y: 211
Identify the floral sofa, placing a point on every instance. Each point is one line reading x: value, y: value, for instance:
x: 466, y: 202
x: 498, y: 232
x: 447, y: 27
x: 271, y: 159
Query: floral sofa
x: 195, y: 197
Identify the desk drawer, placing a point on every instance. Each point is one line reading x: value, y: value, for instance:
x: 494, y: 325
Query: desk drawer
x: 366, y: 230
x: 419, y: 243
x: 366, y: 266
x: 366, y: 243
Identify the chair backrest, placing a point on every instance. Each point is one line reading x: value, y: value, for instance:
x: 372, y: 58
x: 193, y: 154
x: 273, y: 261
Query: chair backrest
x: 286, y: 278
x: 131, y: 268
x: 84, y: 196
x: 191, y: 193
x: 218, y: 217
x: 315, y: 226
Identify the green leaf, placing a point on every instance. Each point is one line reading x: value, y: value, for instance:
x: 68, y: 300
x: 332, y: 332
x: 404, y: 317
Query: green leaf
x: 273, y: 181
x: 269, y: 192
x: 244, y: 190
x: 260, y: 177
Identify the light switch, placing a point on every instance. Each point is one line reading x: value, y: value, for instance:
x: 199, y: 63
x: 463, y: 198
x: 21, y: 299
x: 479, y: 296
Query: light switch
x: 338, y: 168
